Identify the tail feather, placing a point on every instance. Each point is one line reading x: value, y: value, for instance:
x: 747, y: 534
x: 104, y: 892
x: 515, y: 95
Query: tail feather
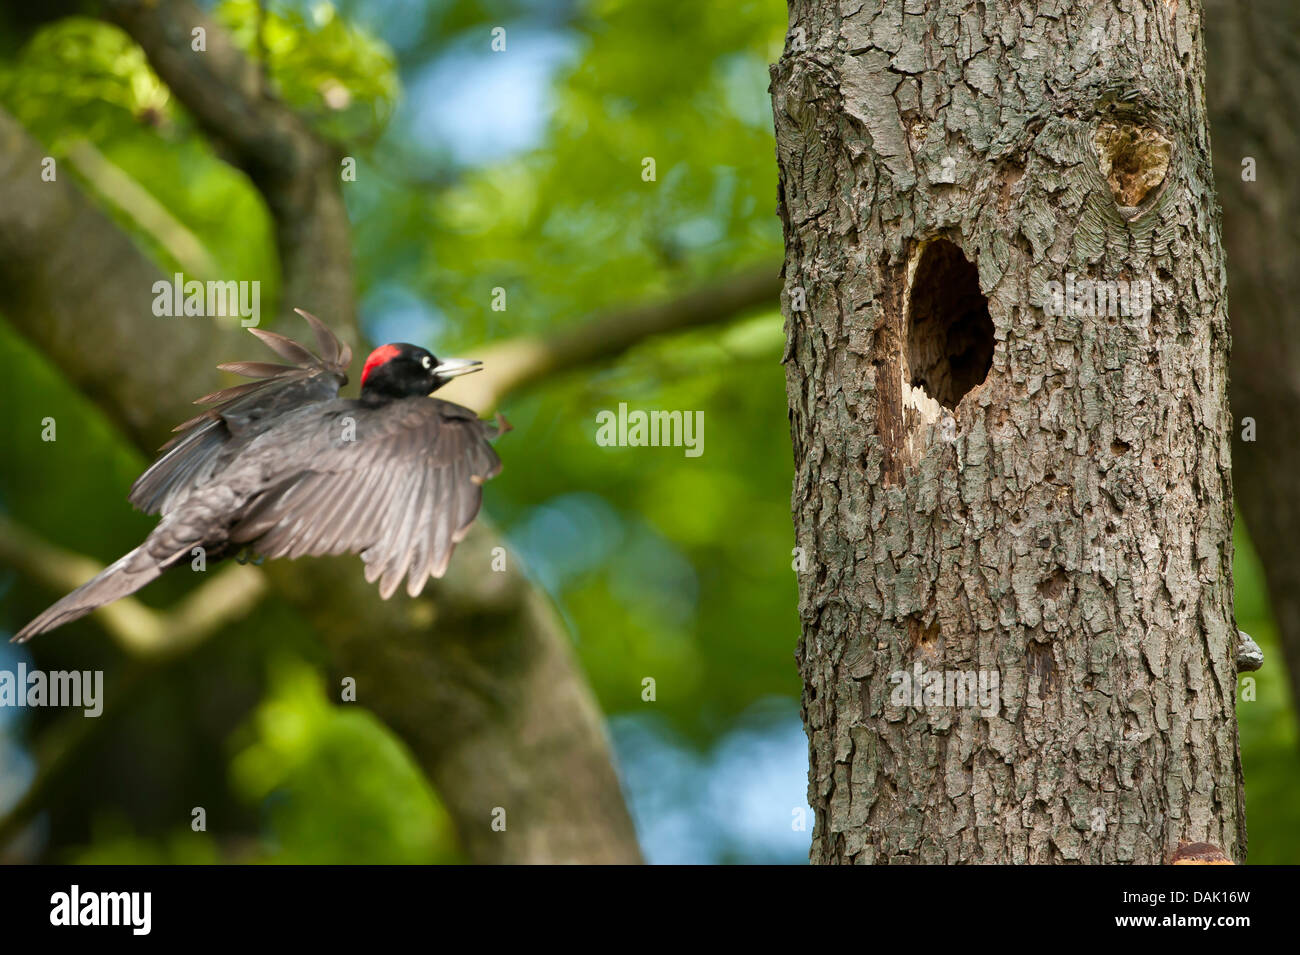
x: 124, y: 576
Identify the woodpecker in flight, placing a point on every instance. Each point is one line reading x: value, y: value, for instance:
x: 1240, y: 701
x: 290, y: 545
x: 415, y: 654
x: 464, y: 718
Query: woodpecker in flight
x: 282, y: 466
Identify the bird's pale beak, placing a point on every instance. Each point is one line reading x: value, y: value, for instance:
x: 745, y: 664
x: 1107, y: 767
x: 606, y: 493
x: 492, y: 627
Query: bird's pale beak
x: 457, y: 366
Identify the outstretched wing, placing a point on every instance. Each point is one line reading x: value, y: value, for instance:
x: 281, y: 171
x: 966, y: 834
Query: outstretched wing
x: 401, y: 489
x: 243, y: 411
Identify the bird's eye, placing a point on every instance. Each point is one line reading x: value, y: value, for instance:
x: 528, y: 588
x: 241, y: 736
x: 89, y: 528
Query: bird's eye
x: 426, y: 361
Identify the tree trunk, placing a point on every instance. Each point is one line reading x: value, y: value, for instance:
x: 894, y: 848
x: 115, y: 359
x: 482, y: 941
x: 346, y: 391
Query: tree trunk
x: 1006, y: 475
x: 1254, y: 101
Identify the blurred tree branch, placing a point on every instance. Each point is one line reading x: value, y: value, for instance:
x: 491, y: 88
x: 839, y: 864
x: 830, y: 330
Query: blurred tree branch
x: 148, y: 214
x: 225, y: 597
x: 518, y: 363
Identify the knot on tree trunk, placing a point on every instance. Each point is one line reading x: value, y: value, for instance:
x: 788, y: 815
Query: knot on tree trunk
x: 1134, y: 159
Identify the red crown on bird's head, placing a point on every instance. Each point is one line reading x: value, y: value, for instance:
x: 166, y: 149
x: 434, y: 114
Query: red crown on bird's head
x: 378, y: 357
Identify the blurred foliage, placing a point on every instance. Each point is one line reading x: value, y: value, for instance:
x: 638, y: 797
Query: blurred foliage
x: 79, y: 78
x: 1270, y: 745
x: 83, y: 81
x: 298, y: 746
x: 341, y: 78
x: 572, y: 226
x: 662, y: 565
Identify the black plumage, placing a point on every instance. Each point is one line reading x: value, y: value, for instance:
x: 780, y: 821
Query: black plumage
x: 284, y: 467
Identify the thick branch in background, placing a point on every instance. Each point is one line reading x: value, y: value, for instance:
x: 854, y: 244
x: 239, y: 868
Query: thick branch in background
x: 78, y: 286
x: 1254, y: 96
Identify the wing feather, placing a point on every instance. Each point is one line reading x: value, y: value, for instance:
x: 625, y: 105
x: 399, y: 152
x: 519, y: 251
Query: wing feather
x: 327, y: 345
x: 422, y: 545
x: 403, y: 494
x: 332, y: 490
x: 286, y: 348
x: 442, y: 532
x: 241, y: 412
x: 400, y: 550
x: 253, y: 369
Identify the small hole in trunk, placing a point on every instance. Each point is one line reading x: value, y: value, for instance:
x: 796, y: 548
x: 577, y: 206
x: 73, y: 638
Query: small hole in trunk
x: 949, y: 331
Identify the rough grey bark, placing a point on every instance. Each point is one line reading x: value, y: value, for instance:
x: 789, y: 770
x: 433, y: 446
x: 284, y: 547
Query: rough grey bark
x: 1254, y: 97
x: 1064, y: 523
